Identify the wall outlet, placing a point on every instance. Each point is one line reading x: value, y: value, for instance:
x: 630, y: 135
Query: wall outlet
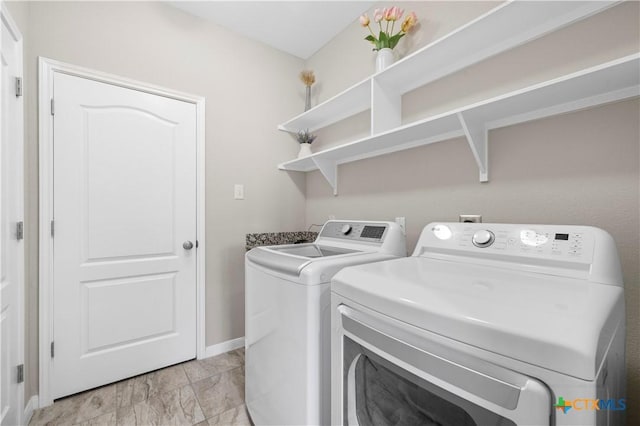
x: 402, y: 221
x: 238, y: 191
x: 470, y: 218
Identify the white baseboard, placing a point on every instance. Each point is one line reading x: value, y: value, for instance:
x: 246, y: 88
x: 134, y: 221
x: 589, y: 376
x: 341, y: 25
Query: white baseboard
x: 31, y: 406
x: 223, y: 347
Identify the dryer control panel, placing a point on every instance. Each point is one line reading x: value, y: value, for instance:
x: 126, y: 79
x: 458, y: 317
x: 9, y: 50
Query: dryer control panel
x: 553, y: 242
x: 527, y: 242
x: 565, y: 250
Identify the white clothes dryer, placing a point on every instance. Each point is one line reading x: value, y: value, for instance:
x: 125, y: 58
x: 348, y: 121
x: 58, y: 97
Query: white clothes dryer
x: 287, y: 317
x: 486, y: 324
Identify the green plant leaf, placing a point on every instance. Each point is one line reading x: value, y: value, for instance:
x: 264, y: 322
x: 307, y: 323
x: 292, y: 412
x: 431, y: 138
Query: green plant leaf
x: 396, y: 37
x: 383, y: 37
x: 370, y: 38
x: 393, y: 41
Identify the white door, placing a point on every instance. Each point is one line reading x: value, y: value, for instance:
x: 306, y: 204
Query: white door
x: 124, y: 233
x: 11, y: 243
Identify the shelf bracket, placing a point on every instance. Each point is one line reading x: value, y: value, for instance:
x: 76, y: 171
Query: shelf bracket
x: 386, y: 108
x: 329, y: 170
x: 477, y: 136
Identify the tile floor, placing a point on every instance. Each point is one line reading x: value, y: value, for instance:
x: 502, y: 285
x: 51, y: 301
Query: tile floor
x: 205, y: 392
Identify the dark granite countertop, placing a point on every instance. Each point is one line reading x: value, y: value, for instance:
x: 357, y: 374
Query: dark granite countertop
x: 279, y: 238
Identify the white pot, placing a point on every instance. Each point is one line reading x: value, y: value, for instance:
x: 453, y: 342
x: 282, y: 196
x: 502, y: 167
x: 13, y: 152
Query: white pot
x: 384, y: 59
x: 305, y: 150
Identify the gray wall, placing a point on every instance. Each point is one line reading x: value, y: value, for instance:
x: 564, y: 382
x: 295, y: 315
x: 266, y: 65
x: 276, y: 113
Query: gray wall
x: 249, y: 89
x: 579, y: 168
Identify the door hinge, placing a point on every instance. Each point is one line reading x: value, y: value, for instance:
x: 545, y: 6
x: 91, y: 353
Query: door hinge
x: 20, y: 374
x: 53, y: 231
x: 19, y: 231
x: 53, y: 352
x: 18, y: 87
x: 53, y: 110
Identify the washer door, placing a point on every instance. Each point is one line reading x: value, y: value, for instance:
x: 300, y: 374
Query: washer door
x: 410, y: 379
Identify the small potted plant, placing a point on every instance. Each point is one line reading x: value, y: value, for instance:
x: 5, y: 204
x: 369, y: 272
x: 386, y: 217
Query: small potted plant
x: 386, y: 40
x: 305, y: 138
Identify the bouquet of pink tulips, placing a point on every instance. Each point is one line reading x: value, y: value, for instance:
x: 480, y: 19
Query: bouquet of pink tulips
x: 386, y: 37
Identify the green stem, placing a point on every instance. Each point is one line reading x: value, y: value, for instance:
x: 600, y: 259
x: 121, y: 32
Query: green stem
x: 371, y: 31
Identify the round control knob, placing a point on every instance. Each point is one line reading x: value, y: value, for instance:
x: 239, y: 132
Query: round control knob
x: 346, y: 229
x: 483, y: 238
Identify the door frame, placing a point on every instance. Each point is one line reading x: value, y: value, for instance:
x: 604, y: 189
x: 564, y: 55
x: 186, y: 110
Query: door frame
x: 6, y: 17
x: 47, y: 68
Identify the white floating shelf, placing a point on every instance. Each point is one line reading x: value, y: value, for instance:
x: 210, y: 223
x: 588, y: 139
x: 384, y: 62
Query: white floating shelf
x: 350, y: 102
x: 609, y: 82
x: 504, y: 27
x: 507, y: 26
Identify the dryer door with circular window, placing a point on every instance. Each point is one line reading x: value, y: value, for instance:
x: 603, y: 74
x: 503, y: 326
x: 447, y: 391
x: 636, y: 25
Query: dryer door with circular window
x: 397, y: 375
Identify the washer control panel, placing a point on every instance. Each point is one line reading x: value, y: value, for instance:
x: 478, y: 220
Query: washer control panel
x: 355, y: 231
x: 573, y: 243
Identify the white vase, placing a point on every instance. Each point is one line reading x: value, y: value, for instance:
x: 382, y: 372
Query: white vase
x: 384, y: 59
x: 307, y: 98
x: 305, y: 150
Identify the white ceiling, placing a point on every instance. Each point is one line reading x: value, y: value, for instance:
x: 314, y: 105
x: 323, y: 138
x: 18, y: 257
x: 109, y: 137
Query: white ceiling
x: 296, y: 27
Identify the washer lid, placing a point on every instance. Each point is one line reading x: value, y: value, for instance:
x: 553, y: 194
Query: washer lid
x: 311, y: 250
x: 292, y: 259
x: 553, y: 322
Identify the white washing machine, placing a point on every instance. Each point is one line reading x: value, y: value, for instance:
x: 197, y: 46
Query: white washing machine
x: 486, y: 324
x: 287, y: 317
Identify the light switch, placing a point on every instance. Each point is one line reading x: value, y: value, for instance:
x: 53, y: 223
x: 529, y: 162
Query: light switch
x: 238, y: 191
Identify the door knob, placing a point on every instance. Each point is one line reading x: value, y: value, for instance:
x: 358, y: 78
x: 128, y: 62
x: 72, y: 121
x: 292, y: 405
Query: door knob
x: 187, y: 245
